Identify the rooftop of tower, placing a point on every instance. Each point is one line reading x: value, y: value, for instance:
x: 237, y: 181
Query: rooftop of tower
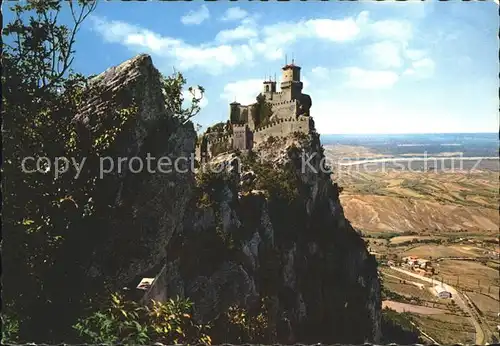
x: 292, y: 65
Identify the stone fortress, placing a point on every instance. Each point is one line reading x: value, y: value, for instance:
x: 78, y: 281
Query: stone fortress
x: 275, y: 114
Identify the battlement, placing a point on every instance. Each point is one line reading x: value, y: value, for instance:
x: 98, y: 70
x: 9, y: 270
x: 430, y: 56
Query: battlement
x: 283, y: 102
x: 219, y: 139
x: 239, y: 126
x: 299, y: 120
x: 289, y: 114
x: 273, y: 123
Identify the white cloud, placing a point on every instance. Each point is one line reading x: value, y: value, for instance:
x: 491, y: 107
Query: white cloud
x: 211, y: 58
x: 239, y: 33
x: 244, y: 91
x: 336, y: 30
x: 398, y: 30
x: 415, y: 54
x: 333, y: 30
x: 305, y: 83
x: 215, y: 57
x: 234, y: 13
x: 385, y: 54
x: 196, y: 17
x: 249, y: 41
x: 320, y: 72
x: 370, y: 79
x: 421, y: 69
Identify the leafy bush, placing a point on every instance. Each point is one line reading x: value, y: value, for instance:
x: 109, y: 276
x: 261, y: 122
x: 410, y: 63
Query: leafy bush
x: 49, y: 223
x: 261, y: 111
x: 173, y: 91
x: 301, y: 136
x: 127, y: 322
x: 238, y: 325
x: 279, y: 183
x: 272, y: 140
x: 10, y: 329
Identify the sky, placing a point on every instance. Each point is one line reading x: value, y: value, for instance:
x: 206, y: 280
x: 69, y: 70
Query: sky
x: 369, y: 67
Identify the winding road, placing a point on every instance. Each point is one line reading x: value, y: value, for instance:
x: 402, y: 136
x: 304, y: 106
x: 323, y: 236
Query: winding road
x: 459, y: 299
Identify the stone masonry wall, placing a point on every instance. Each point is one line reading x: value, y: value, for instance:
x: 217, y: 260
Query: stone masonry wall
x: 285, y: 109
x: 277, y: 97
x: 219, y: 145
x: 282, y: 128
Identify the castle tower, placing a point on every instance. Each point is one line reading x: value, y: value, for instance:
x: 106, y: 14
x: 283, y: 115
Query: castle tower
x: 269, y: 88
x: 291, y: 85
x: 235, y: 112
x: 242, y: 137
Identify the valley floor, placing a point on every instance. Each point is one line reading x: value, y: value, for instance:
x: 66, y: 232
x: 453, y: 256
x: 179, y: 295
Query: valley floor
x: 449, y: 218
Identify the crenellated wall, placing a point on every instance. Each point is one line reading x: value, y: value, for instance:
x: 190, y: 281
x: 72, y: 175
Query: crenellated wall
x: 218, y: 145
x: 277, y: 97
x: 282, y: 128
x: 285, y: 109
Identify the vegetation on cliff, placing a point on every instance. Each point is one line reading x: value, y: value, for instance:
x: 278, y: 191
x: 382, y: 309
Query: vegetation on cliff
x: 52, y: 218
x: 127, y: 322
x: 261, y: 111
x: 280, y: 266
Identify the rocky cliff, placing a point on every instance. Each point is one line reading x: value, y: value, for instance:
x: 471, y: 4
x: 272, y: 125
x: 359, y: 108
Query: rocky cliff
x: 273, y: 228
x: 268, y: 234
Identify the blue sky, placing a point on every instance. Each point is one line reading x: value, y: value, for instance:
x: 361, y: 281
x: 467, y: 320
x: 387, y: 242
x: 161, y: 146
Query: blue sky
x: 370, y: 67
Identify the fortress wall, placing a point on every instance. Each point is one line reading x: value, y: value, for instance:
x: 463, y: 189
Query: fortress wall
x: 285, y: 109
x: 282, y: 128
x: 218, y: 139
x: 219, y: 145
x: 278, y: 97
x: 240, y: 113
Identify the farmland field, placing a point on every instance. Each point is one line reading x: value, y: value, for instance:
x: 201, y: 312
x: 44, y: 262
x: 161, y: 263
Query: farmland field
x: 432, y: 211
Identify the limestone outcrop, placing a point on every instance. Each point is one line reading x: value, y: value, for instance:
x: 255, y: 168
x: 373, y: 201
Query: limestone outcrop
x: 225, y: 240
x: 305, y: 258
x: 145, y: 207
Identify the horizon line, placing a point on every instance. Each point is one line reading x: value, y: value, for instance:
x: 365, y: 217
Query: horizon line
x: 405, y: 133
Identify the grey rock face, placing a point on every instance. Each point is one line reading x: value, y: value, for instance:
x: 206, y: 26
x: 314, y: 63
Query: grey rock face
x: 324, y: 284
x: 146, y: 207
x: 306, y: 259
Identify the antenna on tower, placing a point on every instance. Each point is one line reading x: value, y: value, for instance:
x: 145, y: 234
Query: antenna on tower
x: 275, y: 77
x: 286, y: 60
x: 293, y: 60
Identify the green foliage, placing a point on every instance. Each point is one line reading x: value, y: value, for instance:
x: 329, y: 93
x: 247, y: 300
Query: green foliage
x: 40, y: 97
x: 50, y: 225
x: 238, y: 325
x: 301, y: 136
x: 220, y: 147
x: 10, y: 329
x: 209, y: 185
x: 127, y: 322
x: 279, y: 183
x: 211, y: 181
x: 219, y: 127
x: 272, y: 140
x: 261, y: 110
x: 174, y: 99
